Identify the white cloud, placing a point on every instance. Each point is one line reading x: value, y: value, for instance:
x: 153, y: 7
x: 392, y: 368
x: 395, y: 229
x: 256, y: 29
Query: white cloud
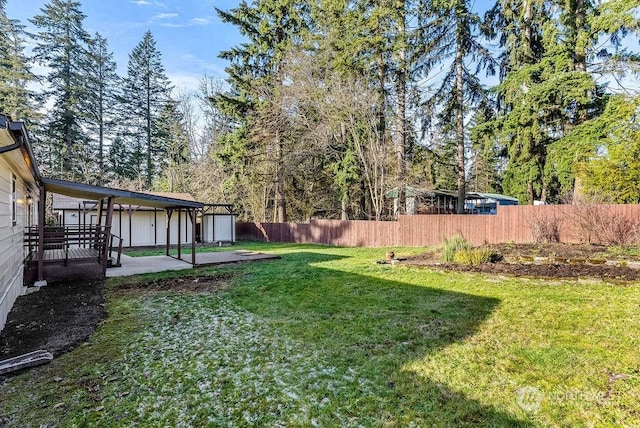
x: 185, y: 80
x: 165, y: 16
x: 199, y: 21
x: 147, y: 3
x: 194, y: 22
x: 171, y: 25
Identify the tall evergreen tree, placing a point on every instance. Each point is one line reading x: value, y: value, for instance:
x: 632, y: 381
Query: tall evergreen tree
x: 450, y: 32
x: 519, y: 27
x: 146, y: 92
x: 15, y: 74
x: 272, y: 29
x: 547, y: 89
x: 487, y: 160
x: 62, y: 47
x: 100, y: 102
x: 173, y: 131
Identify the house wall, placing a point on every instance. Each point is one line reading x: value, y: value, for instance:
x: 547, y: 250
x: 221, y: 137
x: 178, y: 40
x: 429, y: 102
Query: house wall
x: 11, y: 238
x: 218, y: 228
x: 138, y: 228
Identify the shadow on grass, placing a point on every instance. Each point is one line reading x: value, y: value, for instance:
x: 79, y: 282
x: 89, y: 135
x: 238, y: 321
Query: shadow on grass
x: 375, y: 326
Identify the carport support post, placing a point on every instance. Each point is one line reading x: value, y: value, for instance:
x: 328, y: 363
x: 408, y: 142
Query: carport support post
x: 42, y: 203
x: 169, y: 213
x: 96, y: 235
x: 107, y: 234
x: 193, y: 236
x: 179, y: 234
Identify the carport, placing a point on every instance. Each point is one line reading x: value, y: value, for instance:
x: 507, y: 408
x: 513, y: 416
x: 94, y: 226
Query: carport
x: 67, y: 252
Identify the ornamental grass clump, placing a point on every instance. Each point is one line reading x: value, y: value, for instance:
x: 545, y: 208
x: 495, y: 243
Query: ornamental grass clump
x: 453, y: 245
x: 477, y: 256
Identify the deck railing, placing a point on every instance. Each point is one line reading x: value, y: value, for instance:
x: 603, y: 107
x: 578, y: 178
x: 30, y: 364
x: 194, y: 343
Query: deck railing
x: 120, y: 241
x: 64, y: 240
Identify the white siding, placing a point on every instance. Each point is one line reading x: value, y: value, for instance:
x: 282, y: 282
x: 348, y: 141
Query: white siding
x: 146, y: 229
x: 11, y: 241
x: 218, y: 228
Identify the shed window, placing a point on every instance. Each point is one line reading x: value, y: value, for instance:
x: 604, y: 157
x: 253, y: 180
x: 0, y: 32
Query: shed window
x: 14, y: 207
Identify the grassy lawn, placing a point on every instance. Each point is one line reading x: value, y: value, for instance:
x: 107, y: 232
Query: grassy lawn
x: 325, y: 337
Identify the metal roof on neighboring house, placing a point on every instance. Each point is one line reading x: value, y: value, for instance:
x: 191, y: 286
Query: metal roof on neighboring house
x: 413, y: 191
x: 95, y: 193
x: 496, y: 196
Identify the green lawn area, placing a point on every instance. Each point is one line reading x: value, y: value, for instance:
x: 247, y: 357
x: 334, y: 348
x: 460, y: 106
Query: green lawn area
x: 325, y: 337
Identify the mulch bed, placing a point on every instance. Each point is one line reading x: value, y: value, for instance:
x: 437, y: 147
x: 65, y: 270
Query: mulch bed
x: 545, y: 271
x: 56, y: 318
x: 549, y: 269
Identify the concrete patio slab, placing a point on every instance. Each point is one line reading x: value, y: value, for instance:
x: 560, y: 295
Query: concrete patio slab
x: 152, y: 264
x: 149, y: 264
x: 224, y: 257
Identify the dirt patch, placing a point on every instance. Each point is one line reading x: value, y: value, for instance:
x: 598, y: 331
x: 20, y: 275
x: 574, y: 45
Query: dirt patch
x: 548, y: 261
x: 62, y: 315
x: 56, y: 318
x: 191, y: 284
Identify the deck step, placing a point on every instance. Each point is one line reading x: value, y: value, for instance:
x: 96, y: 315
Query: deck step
x: 31, y: 359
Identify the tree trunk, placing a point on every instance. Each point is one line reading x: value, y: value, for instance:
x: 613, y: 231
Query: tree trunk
x: 381, y: 94
x: 528, y: 32
x: 344, y: 198
x: 344, y: 206
x: 460, y: 120
x: 580, y: 55
x: 101, y: 171
x: 401, y: 113
x: 148, y: 114
x: 281, y: 201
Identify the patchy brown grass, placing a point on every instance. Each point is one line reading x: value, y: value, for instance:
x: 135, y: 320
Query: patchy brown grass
x: 190, y: 284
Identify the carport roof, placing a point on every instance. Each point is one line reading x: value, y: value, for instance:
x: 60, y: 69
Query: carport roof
x: 96, y: 193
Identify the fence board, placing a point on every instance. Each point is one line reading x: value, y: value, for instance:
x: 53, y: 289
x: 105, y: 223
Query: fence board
x: 510, y: 224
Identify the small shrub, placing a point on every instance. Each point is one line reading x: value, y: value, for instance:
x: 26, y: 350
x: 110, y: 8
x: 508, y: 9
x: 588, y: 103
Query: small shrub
x: 452, y: 245
x: 545, y: 227
x: 477, y: 256
x: 599, y: 223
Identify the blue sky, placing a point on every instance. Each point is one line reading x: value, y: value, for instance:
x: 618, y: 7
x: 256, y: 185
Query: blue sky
x: 188, y: 33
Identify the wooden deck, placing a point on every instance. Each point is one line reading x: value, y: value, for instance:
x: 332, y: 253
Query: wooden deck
x: 70, y: 254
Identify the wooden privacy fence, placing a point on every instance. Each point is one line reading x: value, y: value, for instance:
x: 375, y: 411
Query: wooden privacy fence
x: 519, y: 224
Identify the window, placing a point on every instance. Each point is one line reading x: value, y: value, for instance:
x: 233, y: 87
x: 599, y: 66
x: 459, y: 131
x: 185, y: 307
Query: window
x: 14, y: 198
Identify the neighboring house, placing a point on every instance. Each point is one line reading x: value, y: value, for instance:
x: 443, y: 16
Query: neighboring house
x: 487, y: 203
x: 138, y: 225
x: 438, y: 201
x: 19, y: 179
